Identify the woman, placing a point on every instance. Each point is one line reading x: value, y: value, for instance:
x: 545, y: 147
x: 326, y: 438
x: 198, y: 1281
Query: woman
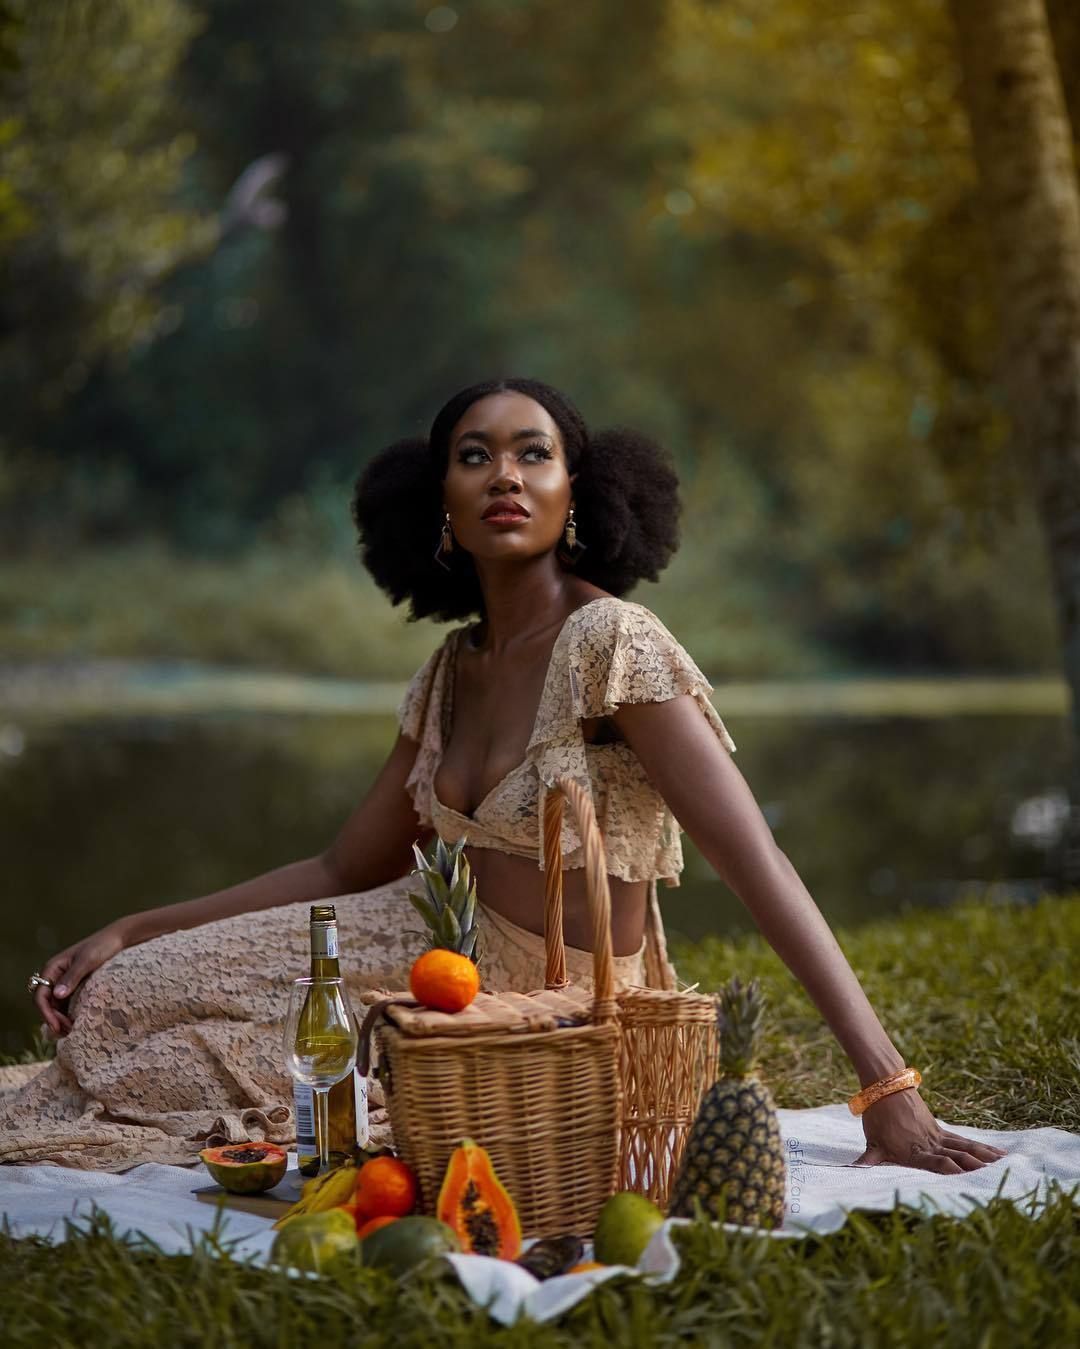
x: 167, y: 1018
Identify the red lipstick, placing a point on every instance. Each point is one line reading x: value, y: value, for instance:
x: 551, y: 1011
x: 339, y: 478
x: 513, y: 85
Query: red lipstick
x: 505, y: 511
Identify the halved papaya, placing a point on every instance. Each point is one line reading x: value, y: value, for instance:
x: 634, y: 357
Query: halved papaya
x: 476, y: 1205
x: 246, y: 1168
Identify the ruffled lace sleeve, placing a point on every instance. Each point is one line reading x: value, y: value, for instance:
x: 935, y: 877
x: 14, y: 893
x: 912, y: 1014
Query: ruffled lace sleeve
x: 609, y: 653
x: 420, y: 717
x: 621, y: 653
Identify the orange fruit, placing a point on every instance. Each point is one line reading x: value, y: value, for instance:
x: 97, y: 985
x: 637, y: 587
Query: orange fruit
x: 365, y: 1229
x: 385, y: 1188
x: 444, y: 980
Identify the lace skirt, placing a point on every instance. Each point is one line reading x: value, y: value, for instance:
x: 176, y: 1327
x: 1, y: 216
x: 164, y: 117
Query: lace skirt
x: 177, y: 1042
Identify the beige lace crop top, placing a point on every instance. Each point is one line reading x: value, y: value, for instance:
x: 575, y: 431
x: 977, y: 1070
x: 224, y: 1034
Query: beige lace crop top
x: 608, y: 652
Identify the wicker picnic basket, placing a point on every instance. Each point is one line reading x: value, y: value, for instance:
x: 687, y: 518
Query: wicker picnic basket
x: 669, y: 1053
x: 573, y: 1094
x: 668, y: 1048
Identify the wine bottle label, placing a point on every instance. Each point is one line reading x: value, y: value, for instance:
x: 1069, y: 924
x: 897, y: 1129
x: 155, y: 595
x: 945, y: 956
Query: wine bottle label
x: 363, y: 1133
x: 324, y: 942
x: 304, y: 1107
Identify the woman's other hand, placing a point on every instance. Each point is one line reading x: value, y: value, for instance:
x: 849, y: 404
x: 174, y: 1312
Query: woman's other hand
x: 68, y: 969
x: 901, y: 1130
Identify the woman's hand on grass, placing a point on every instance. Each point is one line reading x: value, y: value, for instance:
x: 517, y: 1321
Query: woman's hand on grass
x: 68, y: 969
x: 901, y: 1130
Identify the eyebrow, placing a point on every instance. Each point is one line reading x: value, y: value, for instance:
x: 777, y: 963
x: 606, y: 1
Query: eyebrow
x: 530, y: 433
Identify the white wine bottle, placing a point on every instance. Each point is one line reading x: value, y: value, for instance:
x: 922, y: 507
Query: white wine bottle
x: 347, y: 1105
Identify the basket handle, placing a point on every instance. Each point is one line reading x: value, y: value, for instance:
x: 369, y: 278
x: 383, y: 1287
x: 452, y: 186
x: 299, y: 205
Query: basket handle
x: 596, y: 885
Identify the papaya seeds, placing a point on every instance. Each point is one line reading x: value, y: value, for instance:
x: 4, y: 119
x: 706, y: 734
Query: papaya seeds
x: 476, y: 1205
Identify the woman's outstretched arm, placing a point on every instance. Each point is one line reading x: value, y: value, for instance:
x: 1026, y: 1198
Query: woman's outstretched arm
x: 711, y: 800
x: 371, y: 849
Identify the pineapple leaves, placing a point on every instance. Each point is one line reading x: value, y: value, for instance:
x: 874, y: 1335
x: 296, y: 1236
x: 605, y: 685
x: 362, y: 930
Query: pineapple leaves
x: 424, y: 908
x: 451, y: 929
x: 467, y: 913
x: 449, y: 905
x: 437, y: 886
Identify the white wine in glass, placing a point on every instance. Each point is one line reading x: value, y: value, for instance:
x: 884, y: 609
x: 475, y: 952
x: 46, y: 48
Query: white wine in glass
x: 320, y: 1044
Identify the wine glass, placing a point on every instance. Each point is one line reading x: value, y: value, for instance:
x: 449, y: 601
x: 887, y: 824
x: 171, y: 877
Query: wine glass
x: 320, y: 1044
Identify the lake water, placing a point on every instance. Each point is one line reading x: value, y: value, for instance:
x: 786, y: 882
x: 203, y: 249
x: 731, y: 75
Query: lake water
x: 878, y: 813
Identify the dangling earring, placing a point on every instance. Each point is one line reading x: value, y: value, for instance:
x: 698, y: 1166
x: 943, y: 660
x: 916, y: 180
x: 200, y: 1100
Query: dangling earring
x: 574, y: 547
x: 446, y: 543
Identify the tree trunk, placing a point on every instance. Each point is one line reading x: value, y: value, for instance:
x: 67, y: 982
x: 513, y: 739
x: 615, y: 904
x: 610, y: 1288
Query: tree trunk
x: 1064, y: 16
x: 1023, y: 148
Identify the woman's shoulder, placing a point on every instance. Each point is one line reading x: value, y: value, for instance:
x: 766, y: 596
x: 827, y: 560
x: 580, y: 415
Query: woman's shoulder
x: 617, y: 651
x: 604, y: 623
x: 622, y: 653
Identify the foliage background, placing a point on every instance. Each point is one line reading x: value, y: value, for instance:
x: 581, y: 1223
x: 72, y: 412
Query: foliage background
x: 744, y: 229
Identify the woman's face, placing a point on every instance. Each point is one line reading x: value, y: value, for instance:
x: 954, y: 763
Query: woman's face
x: 507, y: 488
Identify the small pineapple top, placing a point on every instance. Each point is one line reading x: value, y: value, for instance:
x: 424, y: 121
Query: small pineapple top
x: 739, y: 1015
x: 448, y: 904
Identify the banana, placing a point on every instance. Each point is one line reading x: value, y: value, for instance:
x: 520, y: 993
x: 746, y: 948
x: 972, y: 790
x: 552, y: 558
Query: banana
x: 323, y: 1192
x: 338, y: 1189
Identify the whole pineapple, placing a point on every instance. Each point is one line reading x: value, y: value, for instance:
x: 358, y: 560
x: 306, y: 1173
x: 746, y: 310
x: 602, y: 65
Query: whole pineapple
x: 445, y: 977
x: 735, y: 1152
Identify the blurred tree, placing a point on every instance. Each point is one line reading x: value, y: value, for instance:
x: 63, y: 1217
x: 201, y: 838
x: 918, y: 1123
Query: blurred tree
x: 13, y: 217
x: 847, y: 145
x: 92, y: 158
x: 748, y: 231
x: 89, y: 168
x: 1064, y: 18
x: 451, y: 212
x: 290, y: 364
x: 1031, y: 194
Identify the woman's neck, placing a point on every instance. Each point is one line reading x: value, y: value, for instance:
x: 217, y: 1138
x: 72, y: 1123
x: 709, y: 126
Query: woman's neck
x: 522, y: 602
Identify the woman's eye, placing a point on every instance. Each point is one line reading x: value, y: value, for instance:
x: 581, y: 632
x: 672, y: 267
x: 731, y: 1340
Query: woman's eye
x: 475, y: 454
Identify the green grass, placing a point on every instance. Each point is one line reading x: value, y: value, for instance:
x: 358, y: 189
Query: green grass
x: 982, y: 999
x: 997, y: 1278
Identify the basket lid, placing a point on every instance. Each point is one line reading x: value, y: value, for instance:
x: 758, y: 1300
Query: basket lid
x: 545, y: 1010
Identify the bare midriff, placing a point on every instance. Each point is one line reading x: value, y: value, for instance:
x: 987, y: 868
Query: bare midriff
x: 514, y: 888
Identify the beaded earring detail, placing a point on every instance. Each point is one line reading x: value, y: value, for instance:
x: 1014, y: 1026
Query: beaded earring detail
x: 573, y: 547
x: 446, y: 543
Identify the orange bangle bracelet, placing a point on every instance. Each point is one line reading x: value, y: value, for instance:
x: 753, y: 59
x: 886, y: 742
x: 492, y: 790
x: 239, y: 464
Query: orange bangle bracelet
x: 884, y: 1086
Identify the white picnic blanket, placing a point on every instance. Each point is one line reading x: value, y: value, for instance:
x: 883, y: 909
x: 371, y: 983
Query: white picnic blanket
x: 157, y: 1202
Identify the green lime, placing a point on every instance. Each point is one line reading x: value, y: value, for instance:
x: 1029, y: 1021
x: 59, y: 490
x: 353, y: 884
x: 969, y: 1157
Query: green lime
x: 624, y: 1227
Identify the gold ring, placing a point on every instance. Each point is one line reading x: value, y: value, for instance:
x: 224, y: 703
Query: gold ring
x: 37, y: 981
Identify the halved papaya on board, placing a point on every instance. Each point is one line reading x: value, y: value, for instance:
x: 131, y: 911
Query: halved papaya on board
x: 246, y: 1168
